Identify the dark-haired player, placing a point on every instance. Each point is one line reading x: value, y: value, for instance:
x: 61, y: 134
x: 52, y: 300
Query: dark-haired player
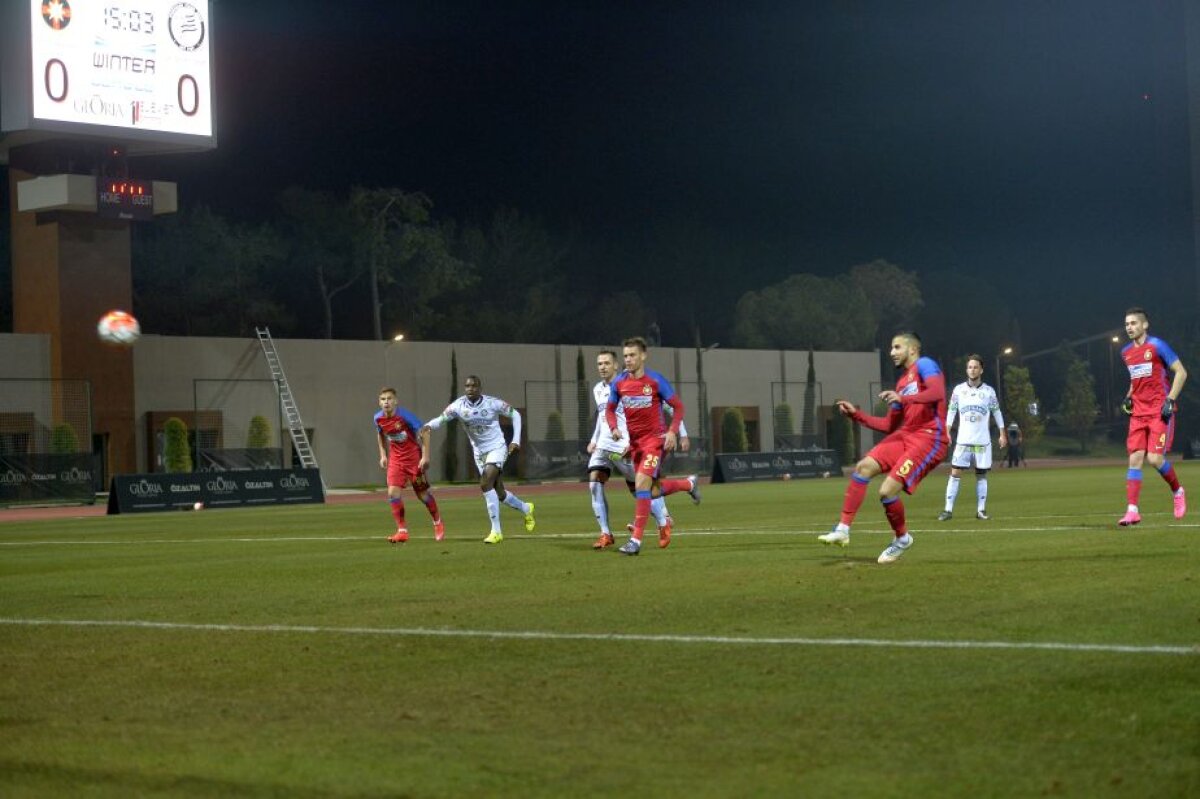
x: 1156, y: 378
x: 916, y: 443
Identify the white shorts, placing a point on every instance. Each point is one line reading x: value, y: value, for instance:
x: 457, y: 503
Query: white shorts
x: 968, y: 455
x: 496, y: 457
x: 604, y: 459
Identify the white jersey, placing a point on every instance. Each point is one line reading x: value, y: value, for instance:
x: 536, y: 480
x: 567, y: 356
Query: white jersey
x: 602, y: 436
x: 973, y: 405
x: 481, y: 420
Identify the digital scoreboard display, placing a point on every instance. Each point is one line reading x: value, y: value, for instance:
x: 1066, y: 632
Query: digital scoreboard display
x: 125, y: 199
x: 136, y: 71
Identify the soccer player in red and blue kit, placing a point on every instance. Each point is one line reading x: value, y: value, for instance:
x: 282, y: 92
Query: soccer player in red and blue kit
x: 403, y: 451
x: 642, y: 392
x: 1156, y: 378
x: 916, y: 443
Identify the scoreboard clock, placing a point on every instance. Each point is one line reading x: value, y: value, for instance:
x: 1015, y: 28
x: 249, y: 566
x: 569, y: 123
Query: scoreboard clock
x: 137, y: 71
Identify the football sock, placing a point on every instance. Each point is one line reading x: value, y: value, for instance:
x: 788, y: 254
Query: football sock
x: 856, y: 492
x: 981, y: 493
x: 1168, y: 473
x: 493, y: 508
x: 431, y: 506
x: 641, y: 511
x: 397, y: 510
x: 674, y: 485
x: 513, y: 501
x: 1133, y: 486
x: 599, y: 504
x: 951, y: 492
x: 894, y: 509
x: 658, y: 509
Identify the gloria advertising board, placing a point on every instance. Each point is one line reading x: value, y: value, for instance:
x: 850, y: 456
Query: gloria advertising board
x: 124, y: 69
x: 743, y: 466
x: 140, y: 493
x: 47, y: 478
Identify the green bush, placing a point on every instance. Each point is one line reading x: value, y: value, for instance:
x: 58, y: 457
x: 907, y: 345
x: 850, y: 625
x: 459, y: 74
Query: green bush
x: 841, y: 438
x: 554, y: 427
x: 733, y: 431
x: 177, y: 454
x: 258, y: 436
x: 63, y: 440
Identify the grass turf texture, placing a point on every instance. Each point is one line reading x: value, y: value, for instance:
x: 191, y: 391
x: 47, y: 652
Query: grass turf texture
x: 314, y: 690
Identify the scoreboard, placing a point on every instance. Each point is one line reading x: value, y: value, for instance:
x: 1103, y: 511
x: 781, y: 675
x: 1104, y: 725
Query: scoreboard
x: 138, y: 71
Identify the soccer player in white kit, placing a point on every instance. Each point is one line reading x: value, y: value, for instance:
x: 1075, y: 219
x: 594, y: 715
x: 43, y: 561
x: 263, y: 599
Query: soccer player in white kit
x: 480, y: 416
x: 974, y: 403
x: 608, y: 454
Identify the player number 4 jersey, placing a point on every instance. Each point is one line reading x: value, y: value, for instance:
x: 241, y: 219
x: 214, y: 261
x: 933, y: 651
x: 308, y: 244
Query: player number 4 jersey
x: 1150, y: 375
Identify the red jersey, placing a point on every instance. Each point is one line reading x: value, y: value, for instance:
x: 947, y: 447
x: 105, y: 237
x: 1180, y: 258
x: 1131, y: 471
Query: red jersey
x: 400, y: 431
x: 1150, y: 375
x: 643, y: 398
x: 922, y: 406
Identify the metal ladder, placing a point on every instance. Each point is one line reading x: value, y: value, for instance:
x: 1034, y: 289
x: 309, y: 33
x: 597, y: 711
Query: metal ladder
x: 287, y: 402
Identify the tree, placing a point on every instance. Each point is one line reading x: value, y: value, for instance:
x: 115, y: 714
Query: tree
x: 583, y: 396
x: 807, y: 426
x: 1020, y: 401
x: 177, y: 453
x: 841, y: 438
x: 1078, y: 407
x: 197, y: 274
x: 63, y: 440
x: 404, y: 254
x: 320, y: 234
x: 805, y: 311
x: 522, y: 292
x: 554, y: 426
x: 258, y: 434
x: 733, y: 431
x: 450, y: 459
x: 893, y: 294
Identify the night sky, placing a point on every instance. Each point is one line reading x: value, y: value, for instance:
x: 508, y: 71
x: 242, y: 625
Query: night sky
x: 1040, y: 145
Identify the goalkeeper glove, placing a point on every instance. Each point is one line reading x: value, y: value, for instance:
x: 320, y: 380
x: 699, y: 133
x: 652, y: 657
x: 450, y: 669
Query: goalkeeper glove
x: 1168, y: 409
x: 1127, y: 406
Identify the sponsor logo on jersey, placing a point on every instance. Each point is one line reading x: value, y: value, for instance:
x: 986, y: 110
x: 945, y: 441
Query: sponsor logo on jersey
x: 638, y: 402
x: 1137, y: 370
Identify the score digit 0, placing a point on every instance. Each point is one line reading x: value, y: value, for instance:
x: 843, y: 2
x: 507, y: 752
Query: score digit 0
x: 195, y: 98
x: 62, y: 69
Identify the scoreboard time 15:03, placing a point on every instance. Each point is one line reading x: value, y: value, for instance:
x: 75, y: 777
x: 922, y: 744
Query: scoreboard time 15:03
x: 131, y: 20
x: 142, y: 66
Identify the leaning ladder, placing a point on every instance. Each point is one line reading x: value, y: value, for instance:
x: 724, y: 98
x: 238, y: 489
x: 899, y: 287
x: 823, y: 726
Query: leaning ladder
x: 287, y: 402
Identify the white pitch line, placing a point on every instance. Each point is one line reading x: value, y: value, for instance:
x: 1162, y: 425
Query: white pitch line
x: 693, y: 532
x: 539, y: 635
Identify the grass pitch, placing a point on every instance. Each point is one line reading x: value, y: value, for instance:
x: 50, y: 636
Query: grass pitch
x: 293, y: 652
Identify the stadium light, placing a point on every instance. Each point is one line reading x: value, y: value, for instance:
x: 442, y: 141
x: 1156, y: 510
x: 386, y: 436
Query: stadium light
x: 398, y: 337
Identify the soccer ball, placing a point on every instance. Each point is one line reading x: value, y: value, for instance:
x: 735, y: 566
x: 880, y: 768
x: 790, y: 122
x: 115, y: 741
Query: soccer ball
x: 119, y: 328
